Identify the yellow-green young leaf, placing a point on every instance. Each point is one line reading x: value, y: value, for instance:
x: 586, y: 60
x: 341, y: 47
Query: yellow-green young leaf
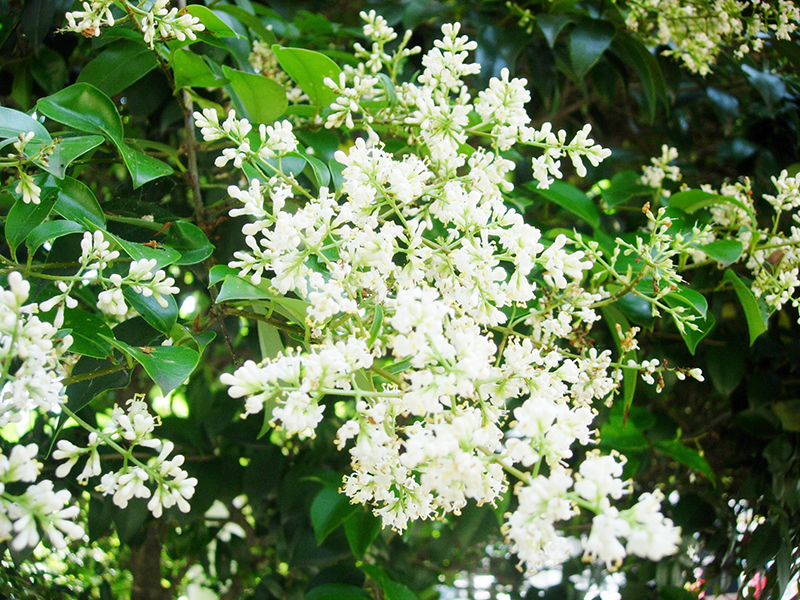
x: 724, y: 252
x: 259, y: 98
x: 755, y: 312
x: 163, y: 256
x: 614, y: 316
x: 309, y: 69
x: 691, y: 201
x: 696, y: 304
x: 118, y: 66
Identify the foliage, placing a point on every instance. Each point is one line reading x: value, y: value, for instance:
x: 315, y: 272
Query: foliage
x: 372, y: 335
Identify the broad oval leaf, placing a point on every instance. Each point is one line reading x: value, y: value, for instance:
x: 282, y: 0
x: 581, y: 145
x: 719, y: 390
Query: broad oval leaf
x: 192, y: 71
x: 24, y: 218
x: 587, y: 42
x: 77, y: 202
x: 162, y: 318
x: 261, y: 99
x: 168, y: 366
x: 190, y: 241
x: 329, y: 510
x: 82, y: 106
x: 309, y: 69
x: 118, y: 66
x: 143, y: 168
x: 50, y: 231
x: 71, y: 148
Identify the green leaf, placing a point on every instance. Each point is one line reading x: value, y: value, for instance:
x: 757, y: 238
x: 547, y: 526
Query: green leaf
x: 624, y: 186
x: 391, y: 589
x: 329, y: 510
x: 788, y: 411
x: 724, y: 252
x: 336, y: 591
x: 619, y: 433
x: 361, y: 529
x: 118, y: 66
x: 192, y: 71
x: 143, y: 168
x: 90, y: 334
x: 587, y: 42
x: 249, y: 20
x: 614, y: 316
x: 214, y: 25
x: 636, y: 54
x: 158, y: 316
x: 49, y: 70
x: 190, y: 241
x: 71, y: 148
x: 764, y: 544
x: 691, y: 201
x: 218, y: 272
x: 309, y: 69
x: 570, y: 198
x: 168, y: 366
x: 322, y: 176
x: 50, y: 231
x: 754, y: 312
x: 24, y: 218
x: 236, y: 288
x: 697, y: 304
x: 686, y: 456
x: 14, y: 122
x: 77, y: 202
x: 259, y: 98
x: 84, y: 107
x: 551, y: 26
x: 163, y: 256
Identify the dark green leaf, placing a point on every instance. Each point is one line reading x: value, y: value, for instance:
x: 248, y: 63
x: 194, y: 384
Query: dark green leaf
x: 637, y: 55
x: 329, y: 510
x: 336, y: 591
x: 158, y: 316
x: 691, y: 201
x: 190, y: 241
x: 614, y: 316
x: 49, y: 70
x: 361, y: 529
x: 624, y: 186
x: 391, y: 589
x: 37, y: 19
x: 686, y: 456
x: 168, y: 366
x: 696, y: 304
x: 551, y: 26
x: 724, y: 252
x: 570, y: 198
x: 50, y: 231
x: 14, y: 122
x: 764, y: 545
x: 163, y: 256
x: 90, y: 333
x: 118, y: 66
x: 218, y: 272
x: 788, y: 411
x: 236, y: 288
x: 587, y: 42
x: 85, y: 108
x: 77, y: 202
x: 754, y: 312
x: 250, y: 20
x: 259, y: 98
x: 309, y: 69
x: 81, y: 393
x: 620, y: 434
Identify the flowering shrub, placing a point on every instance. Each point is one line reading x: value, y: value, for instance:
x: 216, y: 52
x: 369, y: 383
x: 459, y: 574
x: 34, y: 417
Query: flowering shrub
x: 376, y: 220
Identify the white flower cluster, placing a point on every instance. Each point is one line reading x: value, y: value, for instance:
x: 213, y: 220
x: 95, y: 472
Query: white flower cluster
x: 30, y: 355
x: 653, y: 175
x: 435, y: 111
x: 696, y: 31
x: 132, y: 427
x: 158, y: 23
x: 96, y: 256
x: 37, y: 506
x: 411, y: 273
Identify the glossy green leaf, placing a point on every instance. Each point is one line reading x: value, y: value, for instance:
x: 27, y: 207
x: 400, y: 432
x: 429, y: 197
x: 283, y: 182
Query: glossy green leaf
x: 77, y: 202
x: 50, y: 231
x: 192, y: 71
x: 119, y: 65
x: 587, y: 42
x: 696, y: 304
x: 691, y: 201
x: 361, y: 529
x: 569, y: 197
x: 71, y: 148
x: 90, y: 334
x: 14, y: 122
x: 84, y: 107
x: 329, y: 510
x: 219, y: 272
x: 309, y: 69
x: 614, y: 316
x: 686, y: 456
x: 162, y: 318
x: 552, y: 25
x: 143, y: 168
x: 259, y: 98
x: 644, y: 62
x: 163, y: 256
x: 168, y: 366
x: 619, y: 433
x: 250, y: 20
x: 236, y: 288
x: 214, y: 25
x: 724, y: 252
x: 190, y: 241
x: 322, y: 177
x: 24, y: 218
x: 755, y: 313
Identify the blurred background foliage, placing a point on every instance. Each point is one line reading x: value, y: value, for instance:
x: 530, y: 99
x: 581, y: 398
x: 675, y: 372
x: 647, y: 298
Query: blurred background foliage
x: 728, y: 447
